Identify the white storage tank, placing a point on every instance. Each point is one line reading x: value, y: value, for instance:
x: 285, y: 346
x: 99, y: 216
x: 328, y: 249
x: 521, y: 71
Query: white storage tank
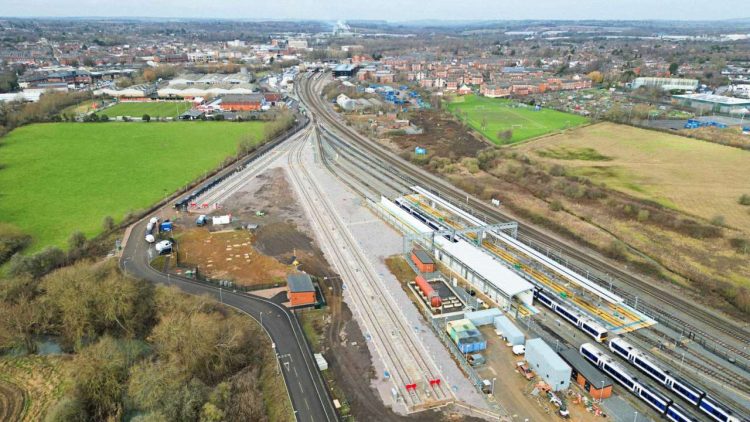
x: 548, y: 364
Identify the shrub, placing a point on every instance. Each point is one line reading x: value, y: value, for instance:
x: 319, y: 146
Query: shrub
x: 12, y: 240
x: 146, y: 118
x: 741, y: 245
x: 38, y: 264
x: 744, y: 199
x: 557, y: 170
x: 555, y: 205
x: 617, y: 250
x: 643, y: 215
x: 718, y: 220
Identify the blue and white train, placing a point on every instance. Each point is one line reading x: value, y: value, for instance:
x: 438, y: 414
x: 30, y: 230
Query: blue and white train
x: 416, y: 213
x: 645, y: 392
x: 712, y: 407
x: 585, y: 324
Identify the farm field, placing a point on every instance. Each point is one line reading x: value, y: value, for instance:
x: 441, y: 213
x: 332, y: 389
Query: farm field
x: 502, y: 115
x: 56, y: 178
x: 153, y: 109
x: 692, y: 176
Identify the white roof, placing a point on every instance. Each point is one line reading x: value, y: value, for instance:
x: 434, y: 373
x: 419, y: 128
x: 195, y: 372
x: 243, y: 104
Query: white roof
x: 486, y: 266
x: 482, y: 263
x: 711, y: 98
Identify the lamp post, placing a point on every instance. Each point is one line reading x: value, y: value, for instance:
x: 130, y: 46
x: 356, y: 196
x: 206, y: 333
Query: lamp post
x: 493, y: 386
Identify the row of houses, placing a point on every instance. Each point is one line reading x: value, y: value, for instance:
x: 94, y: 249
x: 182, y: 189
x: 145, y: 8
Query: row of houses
x: 528, y: 87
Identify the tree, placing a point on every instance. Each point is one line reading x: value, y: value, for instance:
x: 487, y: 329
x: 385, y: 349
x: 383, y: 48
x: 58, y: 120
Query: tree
x: 146, y: 118
x: 8, y: 81
x: 149, y: 75
x: 76, y: 244
x: 103, y: 118
x: 673, y: 68
x: 12, y: 240
x: 596, y: 77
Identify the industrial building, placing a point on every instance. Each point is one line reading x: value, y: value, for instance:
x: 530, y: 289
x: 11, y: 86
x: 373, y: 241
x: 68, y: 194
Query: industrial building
x: 548, y: 364
x: 467, y: 261
x: 666, y: 84
x: 509, y: 331
x: 300, y: 290
x: 244, y: 102
x: 483, y: 317
x: 584, y: 374
x: 345, y: 70
x: 714, y: 103
x: 423, y: 261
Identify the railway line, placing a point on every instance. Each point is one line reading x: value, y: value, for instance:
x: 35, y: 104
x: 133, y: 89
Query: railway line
x: 403, y: 356
x: 736, y: 336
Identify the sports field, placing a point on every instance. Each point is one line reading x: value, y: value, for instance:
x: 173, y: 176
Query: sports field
x: 697, y: 177
x: 502, y: 115
x: 56, y: 178
x: 153, y: 109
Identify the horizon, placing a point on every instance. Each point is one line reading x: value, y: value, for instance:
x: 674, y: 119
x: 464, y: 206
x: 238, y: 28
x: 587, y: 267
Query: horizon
x: 391, y: 11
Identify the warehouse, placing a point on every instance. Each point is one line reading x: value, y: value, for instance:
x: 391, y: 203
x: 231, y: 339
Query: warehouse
x: 247, y: 102
x: 666, y: 84
x: 548, y: 364
x: 714, y: 103
x: 345, y: 70
x: 591, y: 379
x: 301, y: 291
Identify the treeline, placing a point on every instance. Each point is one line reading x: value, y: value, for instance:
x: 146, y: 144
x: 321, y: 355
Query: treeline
x: 140, y: 353
x: 15, y: 113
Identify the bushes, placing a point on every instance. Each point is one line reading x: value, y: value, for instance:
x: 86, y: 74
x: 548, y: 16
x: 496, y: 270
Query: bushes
x: 744, y: 199
x: 38, y: 264
x: 12, y: 240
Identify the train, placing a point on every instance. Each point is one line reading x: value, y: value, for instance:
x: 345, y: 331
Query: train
x: 647, y: 393
x: 590, y: 327
x: 406, y: 206
x: 712, y: 407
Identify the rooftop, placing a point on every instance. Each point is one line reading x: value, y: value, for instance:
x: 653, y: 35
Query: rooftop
x: 592, y: 375
x: 300, y: 283
x: 718, y: 99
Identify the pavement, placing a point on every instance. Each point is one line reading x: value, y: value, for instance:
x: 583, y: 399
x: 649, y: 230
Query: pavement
x: 307, y: 391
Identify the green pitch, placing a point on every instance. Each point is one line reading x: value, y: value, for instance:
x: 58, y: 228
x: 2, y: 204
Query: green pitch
x: 500, y: 115
x: 155, y: 109
x: 56, y: 178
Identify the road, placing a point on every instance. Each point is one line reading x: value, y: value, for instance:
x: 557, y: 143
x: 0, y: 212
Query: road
x: 306, y: 388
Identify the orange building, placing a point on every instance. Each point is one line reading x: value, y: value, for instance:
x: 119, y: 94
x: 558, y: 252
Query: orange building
x: 589, y: 378
x: 241, y: 102
x: 300, y: 290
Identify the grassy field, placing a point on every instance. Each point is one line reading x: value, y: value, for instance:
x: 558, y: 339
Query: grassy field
x: 501, y: 115
x: 692, y: 176
x: 56, y: 178
x: 160, y: 109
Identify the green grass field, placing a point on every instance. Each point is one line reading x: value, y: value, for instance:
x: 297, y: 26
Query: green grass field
x: 502, y: 115
x: 160, y: 109
x: 56, y: 178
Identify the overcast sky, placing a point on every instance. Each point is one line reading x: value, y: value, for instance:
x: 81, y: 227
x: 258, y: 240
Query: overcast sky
x: 392, y: 10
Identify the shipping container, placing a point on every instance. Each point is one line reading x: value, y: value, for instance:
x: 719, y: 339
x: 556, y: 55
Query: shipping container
x: 423, y: 261
x: 548, y: 364
x: 466, y: 336
x: 483, y: 317
x: 509, y: 331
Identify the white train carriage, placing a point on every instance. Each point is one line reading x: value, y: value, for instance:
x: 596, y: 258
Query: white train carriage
x: 716, y: 411
x: 652, y: 397
x: 640, y: 360
x: 587, y: 325
x: 598, y: 358
x: 676, y: 413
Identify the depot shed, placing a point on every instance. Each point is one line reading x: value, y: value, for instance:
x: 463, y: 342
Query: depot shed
x: 300, y: 290
x: 548, y: 364
x: 584, y: 374
x: 423, y: 261
x: 509, y: 331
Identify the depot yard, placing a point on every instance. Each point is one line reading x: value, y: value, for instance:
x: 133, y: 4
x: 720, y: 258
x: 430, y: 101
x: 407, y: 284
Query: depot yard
x: 153, y: 109
x: 502, y: 115
x: 58, y: 178
x: 652, y: 165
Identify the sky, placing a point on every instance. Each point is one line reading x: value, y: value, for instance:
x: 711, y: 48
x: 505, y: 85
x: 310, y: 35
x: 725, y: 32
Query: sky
x: 391, y: 10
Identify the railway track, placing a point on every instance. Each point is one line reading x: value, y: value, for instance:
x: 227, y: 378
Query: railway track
x: 403, y: 355
x: 541, y: 240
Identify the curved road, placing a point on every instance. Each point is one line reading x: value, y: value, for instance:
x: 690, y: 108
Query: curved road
x: 310, y: 399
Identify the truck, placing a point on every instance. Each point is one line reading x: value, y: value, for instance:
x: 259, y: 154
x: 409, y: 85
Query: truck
x: 201, y: 221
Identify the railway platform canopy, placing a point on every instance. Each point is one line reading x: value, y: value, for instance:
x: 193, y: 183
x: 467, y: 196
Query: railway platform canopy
x: 572, y: 288
x: 466, y: 260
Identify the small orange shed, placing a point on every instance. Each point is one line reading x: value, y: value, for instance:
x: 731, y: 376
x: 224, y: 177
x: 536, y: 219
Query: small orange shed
x: 423, y: 261
x: 300, y: 290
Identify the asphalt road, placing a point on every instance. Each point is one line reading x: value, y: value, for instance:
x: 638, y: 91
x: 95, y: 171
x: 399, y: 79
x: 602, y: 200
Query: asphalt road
x: 306, y: 388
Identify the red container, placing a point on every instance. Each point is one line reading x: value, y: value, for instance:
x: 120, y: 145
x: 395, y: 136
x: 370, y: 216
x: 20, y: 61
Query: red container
x: 428, y: 291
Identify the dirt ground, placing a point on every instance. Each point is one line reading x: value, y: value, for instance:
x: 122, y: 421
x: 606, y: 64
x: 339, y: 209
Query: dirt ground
x: 283, y: 232
x: 230, y: 255
x: 512, y: 390
x: 442, y: 136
